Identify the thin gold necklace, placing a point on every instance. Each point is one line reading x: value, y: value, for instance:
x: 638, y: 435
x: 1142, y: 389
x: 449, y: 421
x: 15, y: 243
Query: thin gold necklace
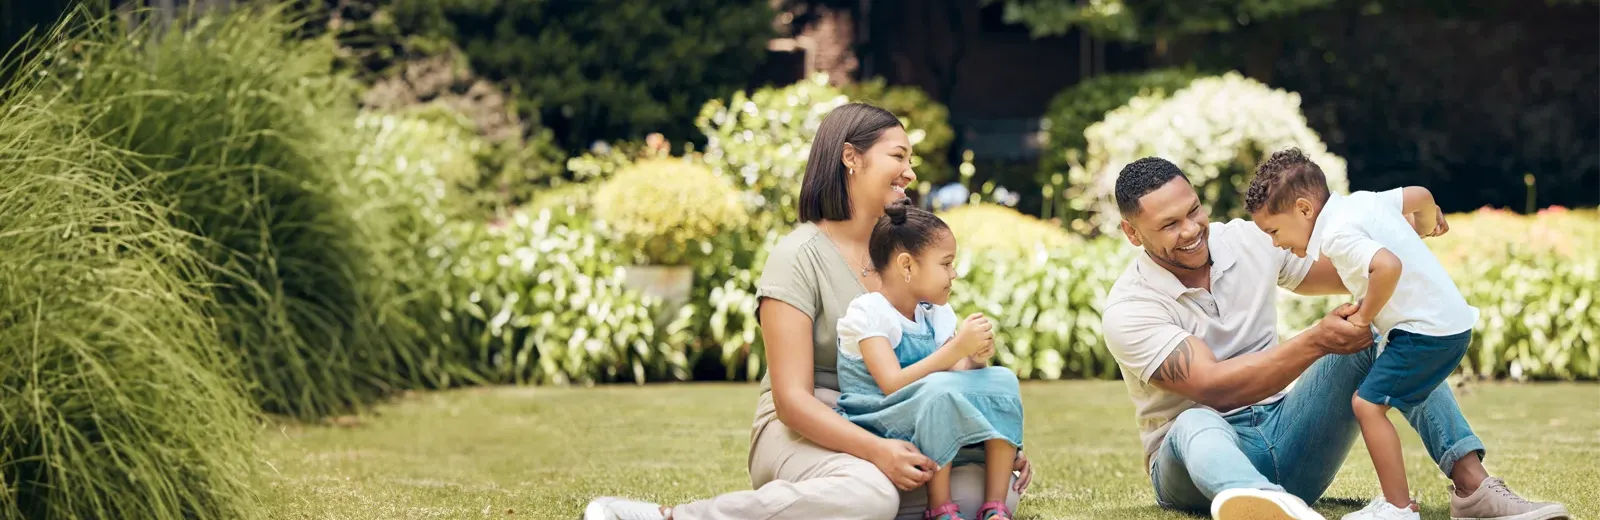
x: 866, y: 266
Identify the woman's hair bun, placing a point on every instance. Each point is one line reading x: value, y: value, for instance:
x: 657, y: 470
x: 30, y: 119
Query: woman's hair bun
x: 897, y: 211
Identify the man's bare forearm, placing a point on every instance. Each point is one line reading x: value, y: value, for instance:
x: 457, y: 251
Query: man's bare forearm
x: 1240, y: 381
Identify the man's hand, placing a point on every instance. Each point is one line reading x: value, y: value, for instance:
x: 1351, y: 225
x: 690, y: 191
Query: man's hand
x: 1337, y: 334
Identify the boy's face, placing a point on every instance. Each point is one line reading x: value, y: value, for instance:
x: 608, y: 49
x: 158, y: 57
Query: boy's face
x: 1290, y: 229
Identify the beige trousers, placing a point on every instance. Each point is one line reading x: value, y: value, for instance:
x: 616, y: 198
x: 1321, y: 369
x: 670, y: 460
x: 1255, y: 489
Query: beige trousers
x: 795, y: 478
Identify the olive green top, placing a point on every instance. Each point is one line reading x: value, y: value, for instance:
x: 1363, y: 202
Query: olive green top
x: 807, y: 270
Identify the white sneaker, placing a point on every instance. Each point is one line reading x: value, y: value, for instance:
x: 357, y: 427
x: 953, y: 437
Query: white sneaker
x: 1381, y: 509
x: 1260, y: 504
x: 613, y: 508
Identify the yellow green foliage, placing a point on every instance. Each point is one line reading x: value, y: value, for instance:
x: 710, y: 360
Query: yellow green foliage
x: 668, y: 209
x: 991, y: 227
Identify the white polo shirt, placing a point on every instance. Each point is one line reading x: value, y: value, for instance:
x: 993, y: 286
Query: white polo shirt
x: 1351, y: 229
x: 1149, y: 313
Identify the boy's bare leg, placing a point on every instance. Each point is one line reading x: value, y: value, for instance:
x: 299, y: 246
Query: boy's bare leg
x: 1383, y: 443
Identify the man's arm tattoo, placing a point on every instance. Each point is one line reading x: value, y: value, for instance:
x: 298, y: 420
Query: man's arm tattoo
x: 1176, y: 368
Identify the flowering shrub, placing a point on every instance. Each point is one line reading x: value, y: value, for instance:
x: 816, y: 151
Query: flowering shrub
x: 1072, y: 111
x: 1217, y: 130
x: 543, y: 302
x: 762, y: 140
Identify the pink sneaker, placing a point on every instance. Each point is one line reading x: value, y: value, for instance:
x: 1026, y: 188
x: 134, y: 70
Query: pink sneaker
x: 948, y: 511
x: 994, y: 511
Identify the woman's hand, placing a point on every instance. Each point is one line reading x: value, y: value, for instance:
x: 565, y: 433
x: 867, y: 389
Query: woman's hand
x: 899, y: 460
x: 1024, y: 471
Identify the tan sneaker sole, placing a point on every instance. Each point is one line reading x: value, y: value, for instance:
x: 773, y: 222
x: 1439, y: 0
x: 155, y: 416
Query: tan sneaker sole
x: 1254, y: 504
x: 1550, y: 512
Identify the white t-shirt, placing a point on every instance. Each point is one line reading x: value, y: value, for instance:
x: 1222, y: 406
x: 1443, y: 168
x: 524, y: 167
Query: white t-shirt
x: 1148, y: 313
x: 1351, y: 229
x: 871, y: 315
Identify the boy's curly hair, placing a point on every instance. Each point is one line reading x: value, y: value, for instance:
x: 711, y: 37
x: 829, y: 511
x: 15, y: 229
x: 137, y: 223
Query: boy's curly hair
x: 1285, y: 176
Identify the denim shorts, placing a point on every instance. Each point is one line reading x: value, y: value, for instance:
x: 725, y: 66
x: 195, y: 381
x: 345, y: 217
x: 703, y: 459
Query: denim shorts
x: 1411, y: 366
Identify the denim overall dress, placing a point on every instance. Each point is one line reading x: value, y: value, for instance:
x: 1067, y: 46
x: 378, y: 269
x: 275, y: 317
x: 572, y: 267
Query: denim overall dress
x: 940, y: 413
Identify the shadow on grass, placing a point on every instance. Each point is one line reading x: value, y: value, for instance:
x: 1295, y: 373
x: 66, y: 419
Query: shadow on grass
x: 1337, y: 507
x: 1151, y: 511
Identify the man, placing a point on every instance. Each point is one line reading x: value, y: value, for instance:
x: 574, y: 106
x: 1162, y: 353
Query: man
x: 1192, y: 325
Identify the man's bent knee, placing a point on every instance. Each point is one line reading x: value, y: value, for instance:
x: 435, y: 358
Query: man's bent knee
x: 1196, y: 419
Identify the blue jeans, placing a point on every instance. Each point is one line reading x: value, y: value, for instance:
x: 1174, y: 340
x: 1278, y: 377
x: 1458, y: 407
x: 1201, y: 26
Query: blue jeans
x: 1296, y: 444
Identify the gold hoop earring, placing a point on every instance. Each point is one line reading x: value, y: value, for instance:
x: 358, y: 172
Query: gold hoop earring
x: 852, y: 171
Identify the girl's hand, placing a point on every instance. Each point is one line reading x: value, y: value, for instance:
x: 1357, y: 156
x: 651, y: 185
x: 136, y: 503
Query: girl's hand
x: 974, y: 335
x: 983, y: 355
x: 906, y: 467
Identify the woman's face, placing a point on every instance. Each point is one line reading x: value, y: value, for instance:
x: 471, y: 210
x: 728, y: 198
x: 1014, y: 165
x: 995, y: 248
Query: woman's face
x: 881, y: 173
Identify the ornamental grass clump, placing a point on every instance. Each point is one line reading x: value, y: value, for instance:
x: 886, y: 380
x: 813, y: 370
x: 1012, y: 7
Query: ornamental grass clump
x: 240, y: 129
x: 117, y: 397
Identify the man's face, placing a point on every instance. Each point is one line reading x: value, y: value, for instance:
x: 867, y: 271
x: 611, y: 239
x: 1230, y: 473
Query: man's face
x: 1171, y: 226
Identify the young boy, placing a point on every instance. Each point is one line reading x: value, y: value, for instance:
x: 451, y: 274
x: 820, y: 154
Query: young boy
x: 1422, y: 322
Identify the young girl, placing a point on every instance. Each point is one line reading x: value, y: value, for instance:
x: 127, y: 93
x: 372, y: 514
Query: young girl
x: 906, y: 372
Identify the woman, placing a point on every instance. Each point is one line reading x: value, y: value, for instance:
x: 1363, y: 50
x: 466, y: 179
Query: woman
x: 806, y: 461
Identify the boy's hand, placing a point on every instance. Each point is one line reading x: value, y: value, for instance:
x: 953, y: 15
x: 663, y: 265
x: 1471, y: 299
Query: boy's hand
x: 1358, y: 317
x: 1442, y: 226
x: 974, y: 334
x: 1428, y: 226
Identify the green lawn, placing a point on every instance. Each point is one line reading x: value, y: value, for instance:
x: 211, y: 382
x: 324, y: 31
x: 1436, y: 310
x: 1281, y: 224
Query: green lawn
x: 542, y: 452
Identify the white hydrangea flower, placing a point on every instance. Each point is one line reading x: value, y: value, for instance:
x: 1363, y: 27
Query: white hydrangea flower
x: 1216, y: 130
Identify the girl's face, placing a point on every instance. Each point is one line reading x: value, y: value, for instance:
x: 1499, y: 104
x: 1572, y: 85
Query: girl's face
x: 880, y: 173
x: 930, y: 273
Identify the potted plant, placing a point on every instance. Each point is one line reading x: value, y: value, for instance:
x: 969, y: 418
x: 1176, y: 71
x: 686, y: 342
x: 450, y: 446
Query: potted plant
x: 667, y: 210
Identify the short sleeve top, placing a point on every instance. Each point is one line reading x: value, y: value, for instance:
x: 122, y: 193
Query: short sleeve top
x: 871, y: 315
x: 806, y: 270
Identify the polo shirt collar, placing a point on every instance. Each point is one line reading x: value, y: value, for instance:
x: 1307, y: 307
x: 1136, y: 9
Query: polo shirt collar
x: 1163, y: 281
x: 1314, y: 244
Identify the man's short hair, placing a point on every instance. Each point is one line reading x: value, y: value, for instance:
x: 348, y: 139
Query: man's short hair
x: 1141, y: 177
x: 1285, y: 176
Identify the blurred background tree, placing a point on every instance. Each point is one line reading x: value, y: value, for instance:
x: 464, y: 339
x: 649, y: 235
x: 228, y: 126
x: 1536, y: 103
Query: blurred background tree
x: 615, y: 69
x: 1510, y: 88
